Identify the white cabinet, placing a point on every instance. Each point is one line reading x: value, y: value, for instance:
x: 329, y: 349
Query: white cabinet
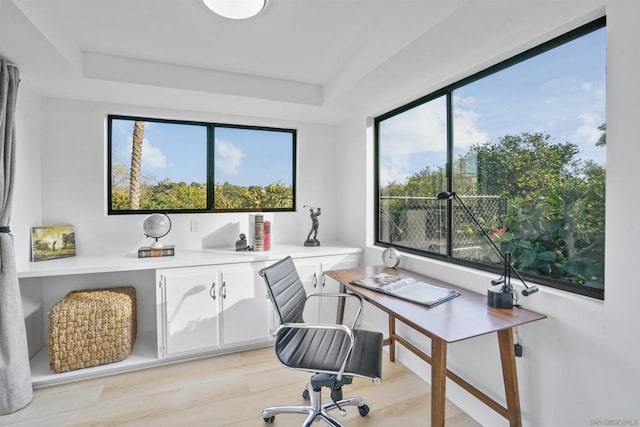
x: 188, y: 301
x: 206, y: 308
x: 311, y: 272
x: 245, y: 314
x: 194, y: 304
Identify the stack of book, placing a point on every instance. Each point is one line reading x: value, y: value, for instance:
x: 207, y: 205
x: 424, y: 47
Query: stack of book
x: 258, y: 244
x: 148, y: 251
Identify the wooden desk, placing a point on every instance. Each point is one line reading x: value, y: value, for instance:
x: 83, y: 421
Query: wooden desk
x: 465, y: 316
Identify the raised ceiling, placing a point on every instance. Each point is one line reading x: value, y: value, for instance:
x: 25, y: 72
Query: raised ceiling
x: 315, y: 60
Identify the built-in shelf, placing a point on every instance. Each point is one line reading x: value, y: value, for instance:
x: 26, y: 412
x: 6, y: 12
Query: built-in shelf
x: 46, y: 282
x: 143, y: 354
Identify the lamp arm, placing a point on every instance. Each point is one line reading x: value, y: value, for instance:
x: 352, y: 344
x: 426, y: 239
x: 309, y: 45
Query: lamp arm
x: 480, y: 227
x: 507, y: 263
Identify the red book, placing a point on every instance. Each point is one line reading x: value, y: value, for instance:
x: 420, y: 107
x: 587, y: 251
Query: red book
x: 267, y: 235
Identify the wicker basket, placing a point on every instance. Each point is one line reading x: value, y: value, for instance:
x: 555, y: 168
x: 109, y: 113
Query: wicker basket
x: 92, y: 327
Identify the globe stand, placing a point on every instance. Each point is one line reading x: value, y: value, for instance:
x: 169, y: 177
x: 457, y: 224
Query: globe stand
x: 155, y: 226
x: 156, y: 245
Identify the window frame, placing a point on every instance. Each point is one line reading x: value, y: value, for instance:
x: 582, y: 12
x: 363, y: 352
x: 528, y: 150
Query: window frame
x: 210, y: 164
x: 448, y: 91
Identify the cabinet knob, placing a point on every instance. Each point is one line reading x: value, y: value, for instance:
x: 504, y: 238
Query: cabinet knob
x: 212, y: 291
x: 315, y: 280
x: 224, y: 290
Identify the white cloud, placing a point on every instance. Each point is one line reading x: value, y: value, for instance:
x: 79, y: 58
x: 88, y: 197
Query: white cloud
x: 465, y: 129
x: 152, y: 157
x: 423, y: 130
x: 587, y: 87
x: 588, y: 130
x: 228, y: 157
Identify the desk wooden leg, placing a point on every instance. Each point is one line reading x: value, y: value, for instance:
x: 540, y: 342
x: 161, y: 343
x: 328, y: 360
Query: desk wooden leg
x: 438, y: 381
x: 510, y: 376
x: 392, y: 339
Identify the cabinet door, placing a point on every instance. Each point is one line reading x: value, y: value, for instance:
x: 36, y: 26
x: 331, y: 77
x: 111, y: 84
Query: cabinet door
x: 309, y: 272
x: 245, y: 314
x: 189, y: 310
x: 330, y: 305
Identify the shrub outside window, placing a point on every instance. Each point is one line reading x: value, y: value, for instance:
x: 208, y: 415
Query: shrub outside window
x: 523, y: 144
x: 180, y: 166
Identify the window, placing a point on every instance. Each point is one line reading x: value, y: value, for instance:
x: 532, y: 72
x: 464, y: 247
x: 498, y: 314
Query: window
x: 523, y: 144
x: 179, y: 166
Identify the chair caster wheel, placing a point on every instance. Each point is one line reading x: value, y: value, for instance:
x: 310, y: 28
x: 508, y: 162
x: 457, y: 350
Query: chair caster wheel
x: 363, y: 410
x: 305, y: 394
x: 269, y: 420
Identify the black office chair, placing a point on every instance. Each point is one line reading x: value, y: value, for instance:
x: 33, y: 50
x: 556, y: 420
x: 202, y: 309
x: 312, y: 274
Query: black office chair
x: 333, y: 353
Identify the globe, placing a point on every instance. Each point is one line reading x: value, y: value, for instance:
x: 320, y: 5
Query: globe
x: 155, y: 226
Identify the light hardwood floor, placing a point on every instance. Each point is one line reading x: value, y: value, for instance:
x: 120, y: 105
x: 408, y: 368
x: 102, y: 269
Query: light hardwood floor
x: 229, y: 390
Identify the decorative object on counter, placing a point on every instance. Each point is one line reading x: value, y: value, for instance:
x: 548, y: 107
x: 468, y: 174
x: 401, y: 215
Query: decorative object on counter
x: 391, y: 258
x: 148, y: 251
x: 314, y: 213
x: 156, y: 225
x: 267, y: 235
x: 258, y: 244
x: 92, y: 327
x: 242, y: 245
x: 58, y: 241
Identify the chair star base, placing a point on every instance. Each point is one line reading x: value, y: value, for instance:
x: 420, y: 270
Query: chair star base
x: 316, y: 410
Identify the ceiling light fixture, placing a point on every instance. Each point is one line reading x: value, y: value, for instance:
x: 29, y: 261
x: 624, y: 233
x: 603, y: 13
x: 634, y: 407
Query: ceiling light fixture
x: 236, y: 9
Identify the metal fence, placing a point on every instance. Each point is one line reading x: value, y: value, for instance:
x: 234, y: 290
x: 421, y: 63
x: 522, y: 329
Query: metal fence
x: 421, y: 222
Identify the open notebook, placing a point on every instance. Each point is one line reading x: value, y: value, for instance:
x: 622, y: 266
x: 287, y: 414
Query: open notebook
x: 408, y: 288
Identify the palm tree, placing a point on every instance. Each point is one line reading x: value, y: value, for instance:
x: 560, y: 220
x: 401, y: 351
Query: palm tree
x: 136, y: 164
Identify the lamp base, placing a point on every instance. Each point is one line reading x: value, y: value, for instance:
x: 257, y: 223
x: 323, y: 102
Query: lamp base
x: 497, y: 297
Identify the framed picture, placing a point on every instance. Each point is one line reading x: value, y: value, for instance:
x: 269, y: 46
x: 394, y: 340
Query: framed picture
x: 58, y: 241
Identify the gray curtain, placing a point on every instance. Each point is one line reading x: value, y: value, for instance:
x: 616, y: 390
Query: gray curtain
x: 15, y: 372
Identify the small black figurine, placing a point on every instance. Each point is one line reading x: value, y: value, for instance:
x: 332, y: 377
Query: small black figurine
x: 241, y: 243
x: 314, y: 213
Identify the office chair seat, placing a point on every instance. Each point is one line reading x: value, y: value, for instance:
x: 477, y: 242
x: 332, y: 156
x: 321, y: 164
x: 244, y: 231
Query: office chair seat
x: 330, y: 348
x: 333, y: 354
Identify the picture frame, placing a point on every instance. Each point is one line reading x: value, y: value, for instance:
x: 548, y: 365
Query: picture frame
x: 52, y: 242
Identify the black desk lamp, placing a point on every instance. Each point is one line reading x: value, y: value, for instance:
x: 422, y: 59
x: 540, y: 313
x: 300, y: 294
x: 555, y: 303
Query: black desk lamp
x: 497, y: 296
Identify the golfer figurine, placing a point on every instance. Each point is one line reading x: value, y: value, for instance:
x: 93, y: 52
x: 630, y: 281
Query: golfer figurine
x: 314, y: 213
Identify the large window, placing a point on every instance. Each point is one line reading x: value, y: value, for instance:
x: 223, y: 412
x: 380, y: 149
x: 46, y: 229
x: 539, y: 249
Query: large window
x: 178, y: 166
x: 523, y: 144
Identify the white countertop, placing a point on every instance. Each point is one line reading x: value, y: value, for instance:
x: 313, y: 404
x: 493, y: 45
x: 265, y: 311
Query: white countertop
x: 183, y: 258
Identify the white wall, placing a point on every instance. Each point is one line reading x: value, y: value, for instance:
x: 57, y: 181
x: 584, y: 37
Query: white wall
x: 26, y: 211
x: 353, y: 175
x: 72, y: 150
x: 580, y: 365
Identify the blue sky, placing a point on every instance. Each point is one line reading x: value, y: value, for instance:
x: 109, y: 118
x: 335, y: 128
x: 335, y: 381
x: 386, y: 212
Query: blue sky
x: 179, y: 152
x: 560, y: 92
x: 253, y: 157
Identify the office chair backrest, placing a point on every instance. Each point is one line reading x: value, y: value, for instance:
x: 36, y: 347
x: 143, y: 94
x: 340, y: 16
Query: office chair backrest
x: 286, y: 290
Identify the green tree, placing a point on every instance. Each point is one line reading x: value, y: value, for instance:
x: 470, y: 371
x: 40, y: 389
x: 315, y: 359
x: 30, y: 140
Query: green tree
x: 555, y: 218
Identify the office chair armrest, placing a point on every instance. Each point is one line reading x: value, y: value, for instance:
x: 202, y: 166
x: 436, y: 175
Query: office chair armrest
x: 344, y: 328
x: 343, y: 295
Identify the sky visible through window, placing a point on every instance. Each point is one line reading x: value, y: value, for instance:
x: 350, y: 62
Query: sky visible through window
x: 560, y: 93
x: 248, y: 157
x: 178, y: 152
